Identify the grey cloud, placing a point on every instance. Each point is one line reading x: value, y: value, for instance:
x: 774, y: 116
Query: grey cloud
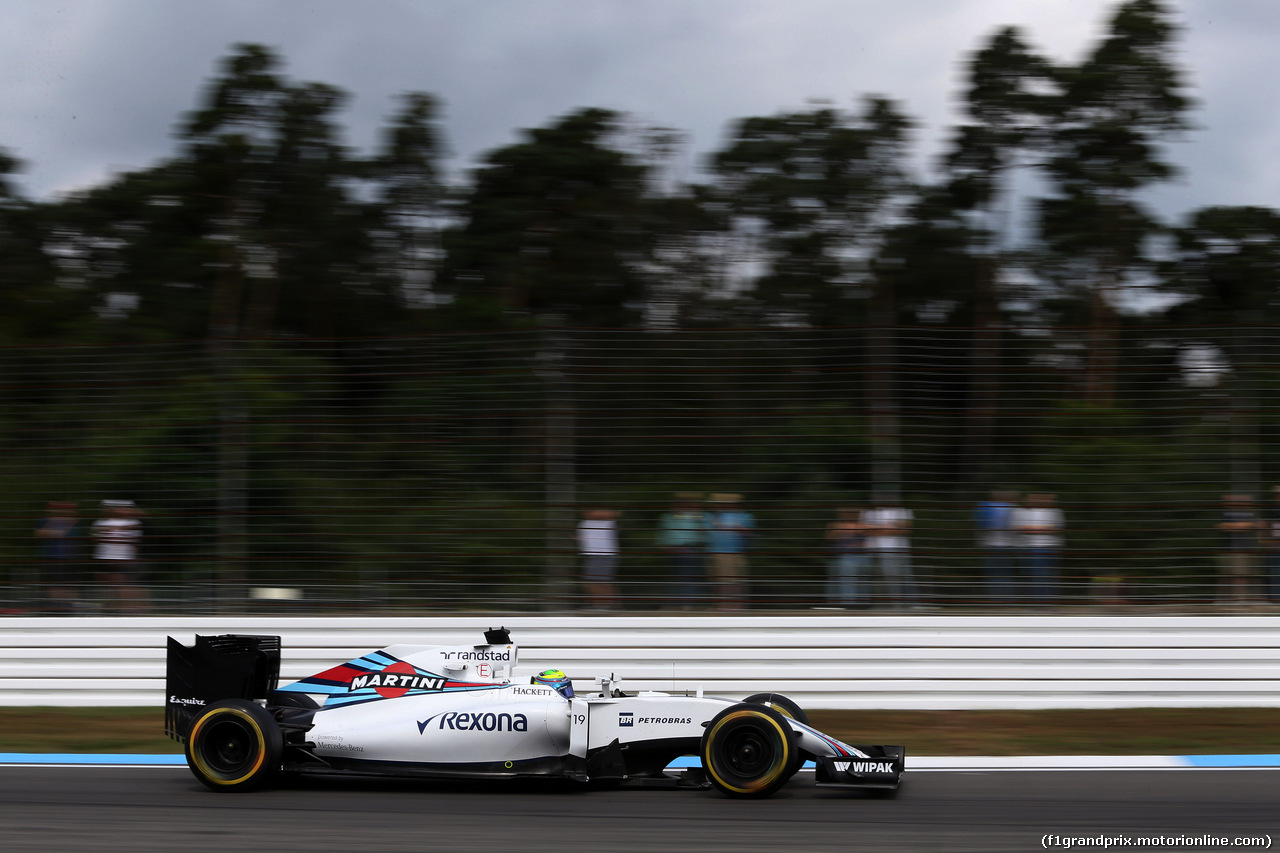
x: 94, y: 85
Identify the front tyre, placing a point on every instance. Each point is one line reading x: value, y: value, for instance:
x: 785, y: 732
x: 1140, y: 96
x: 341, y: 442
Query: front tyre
x: 748, y: 750
x: 234, y: 745
x: 777, y: 701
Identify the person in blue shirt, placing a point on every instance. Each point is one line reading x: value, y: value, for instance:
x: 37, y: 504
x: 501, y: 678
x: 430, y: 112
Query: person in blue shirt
x: 998, y: 540
x: 59, y: 536
x: 682, y: 536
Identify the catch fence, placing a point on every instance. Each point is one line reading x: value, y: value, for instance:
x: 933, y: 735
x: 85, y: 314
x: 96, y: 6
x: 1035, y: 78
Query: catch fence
x: 450, y: 471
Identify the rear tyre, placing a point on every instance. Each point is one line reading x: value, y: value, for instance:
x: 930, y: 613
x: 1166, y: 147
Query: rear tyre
x: 748, y: 750
x: 234, y: 745
x: 778, y: 702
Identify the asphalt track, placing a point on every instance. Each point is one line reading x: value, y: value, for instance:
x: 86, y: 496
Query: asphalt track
x: 163, y: 808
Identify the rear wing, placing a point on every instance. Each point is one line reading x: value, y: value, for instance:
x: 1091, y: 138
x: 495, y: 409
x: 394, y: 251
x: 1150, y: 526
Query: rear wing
x: 226, y: 666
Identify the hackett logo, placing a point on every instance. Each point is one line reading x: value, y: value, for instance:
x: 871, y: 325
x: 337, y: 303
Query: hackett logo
x: 461, y: 721
x: 533, y: 691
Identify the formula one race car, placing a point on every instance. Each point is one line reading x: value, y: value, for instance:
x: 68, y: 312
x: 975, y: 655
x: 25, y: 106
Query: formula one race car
x: 457, y: 712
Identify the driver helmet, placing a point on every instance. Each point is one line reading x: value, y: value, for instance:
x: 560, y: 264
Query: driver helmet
x: 557, y: 679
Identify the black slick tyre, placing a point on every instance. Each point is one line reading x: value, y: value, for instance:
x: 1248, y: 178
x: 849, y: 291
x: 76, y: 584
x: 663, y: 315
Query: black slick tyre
x: 234, y: 745
x: 748, y: 750
x: 778, y: 702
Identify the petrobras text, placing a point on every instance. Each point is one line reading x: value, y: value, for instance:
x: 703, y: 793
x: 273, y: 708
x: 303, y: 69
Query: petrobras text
x: 627, y: 719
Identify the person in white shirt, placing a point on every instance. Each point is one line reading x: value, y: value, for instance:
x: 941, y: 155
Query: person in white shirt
x: 888, y: 541
x: 598, y: 545
x: 1040, y: 525
x: 116, y: 538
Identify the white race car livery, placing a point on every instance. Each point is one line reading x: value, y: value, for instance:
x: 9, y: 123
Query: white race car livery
x: 460, y: 712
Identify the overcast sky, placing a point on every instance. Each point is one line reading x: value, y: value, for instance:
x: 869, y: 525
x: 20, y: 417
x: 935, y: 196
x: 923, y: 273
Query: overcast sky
x: 95, y: 86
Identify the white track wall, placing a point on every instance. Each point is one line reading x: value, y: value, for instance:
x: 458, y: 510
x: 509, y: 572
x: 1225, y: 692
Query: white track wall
x: 851, y: 662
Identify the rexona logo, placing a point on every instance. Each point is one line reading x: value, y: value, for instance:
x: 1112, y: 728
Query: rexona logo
x: 396, y: 680
x: 864, y: 766
x: 483, y: 654
x: 461, y: 721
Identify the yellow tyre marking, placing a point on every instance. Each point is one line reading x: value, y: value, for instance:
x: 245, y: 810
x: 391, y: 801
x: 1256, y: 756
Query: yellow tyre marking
x: 211, y: 774
x: 779, y: 767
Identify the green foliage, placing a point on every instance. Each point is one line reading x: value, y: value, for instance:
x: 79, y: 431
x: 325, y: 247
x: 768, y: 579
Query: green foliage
x: 1114, y: 111
x: 1008, y: 100
x: 812, y: 190
x: 1227, y: 263
x: 553, y: 227
x: 275, y: 288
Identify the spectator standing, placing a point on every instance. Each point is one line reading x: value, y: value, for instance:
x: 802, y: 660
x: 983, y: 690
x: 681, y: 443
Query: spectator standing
x: 1239, y: 530
x: 848, y: 538
x: 1040, y: 525
x: 1269, y: 536
x: 889, y: 542
x: 729, y: 533
x: 598, y: 544
x: 682, y: 536
x: 998, y: 541
x: 59, y: 536
x: 117, y: 537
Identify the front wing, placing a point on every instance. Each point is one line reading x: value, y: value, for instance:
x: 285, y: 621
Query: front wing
x: 881, y: 768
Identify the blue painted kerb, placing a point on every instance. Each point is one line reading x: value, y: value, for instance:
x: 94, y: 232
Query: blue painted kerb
x: 86, y: 759
x: 1233, y: 760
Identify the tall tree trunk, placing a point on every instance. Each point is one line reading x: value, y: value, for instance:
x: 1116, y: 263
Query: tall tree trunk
x: 886, y: 461
x: 1102, y: 355
x: 561, y: 476
x: 233, y: 428
x: 984, y: 393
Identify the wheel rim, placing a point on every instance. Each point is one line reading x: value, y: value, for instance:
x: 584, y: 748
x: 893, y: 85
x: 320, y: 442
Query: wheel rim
x: 227, y: 748
x: 748, y: 752
x: 230, y: 747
